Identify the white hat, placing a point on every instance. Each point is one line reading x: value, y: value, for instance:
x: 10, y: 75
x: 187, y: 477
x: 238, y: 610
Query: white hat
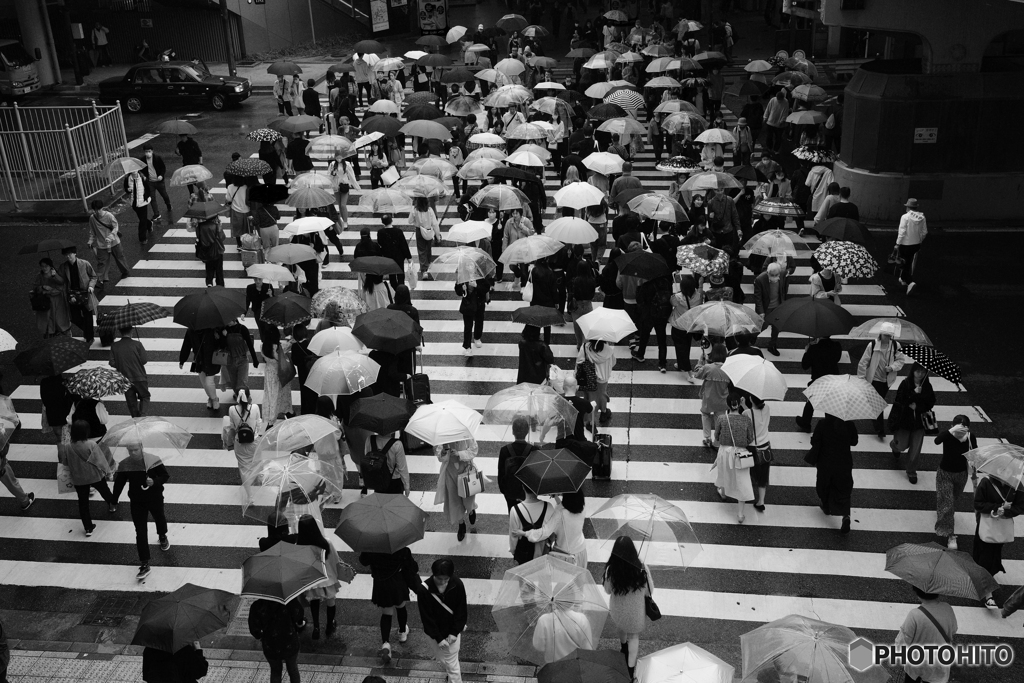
x: 887, y: 328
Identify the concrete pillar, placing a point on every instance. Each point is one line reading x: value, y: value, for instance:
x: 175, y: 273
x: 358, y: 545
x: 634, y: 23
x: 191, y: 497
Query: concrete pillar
x: 34, y: 22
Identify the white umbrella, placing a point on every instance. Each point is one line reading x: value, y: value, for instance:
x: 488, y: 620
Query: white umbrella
x: 486, y: 139
x: 415, y: 54
x: 578, y: 196
x: 7, y: 342
x: 756, y: 376
x: 470, y: 231
x: 455, y: 34
x: 342, y: 373
x: 549, y: 85
x: 334, y: 339
x: 683, y: 663
x: 716, y: 135
x: 384, y: 107
x: 604, y: 162
x: 536, y: 150
x: 598, y: 90
x: 369, y: 138
x: 444, y: 422
x: 510, y: 67
x: 270, y: 271
x: 307, y: 225
x: 525, y: 158
x: 606, y: 324
x: 571, y: 230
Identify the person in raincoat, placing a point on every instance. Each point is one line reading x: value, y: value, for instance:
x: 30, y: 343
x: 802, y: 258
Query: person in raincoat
x: 456, y: 459
x: 734, y: 433
x: 881, y: 361
x: 831, y: 453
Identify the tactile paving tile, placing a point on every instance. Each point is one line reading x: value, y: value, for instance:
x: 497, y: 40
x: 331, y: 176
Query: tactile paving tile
x: 130, y: 672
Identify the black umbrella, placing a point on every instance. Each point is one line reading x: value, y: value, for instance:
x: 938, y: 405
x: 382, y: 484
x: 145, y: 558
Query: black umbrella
x: 506, y: 173
x: 387, y: 330
x: 748, y: 88
x: 586, y: 666
x: 449, y: 122
x: 603, y: 112
x: 381, y: 414
x: 845, y: 229
x: 286, y: 309
x: 45, y: 246
x: 375, y: 265
x: 52, y: 356
x: 284, y: 68
x: 422, y: 112
x: 625, y: 196
x: 812, y: 317
x: 934, y: 361
x: 385, y: 125
x: 748, y: 173
x: 459, y: 74
x: 214, y: 307
x: 177, y: 619
x: 642, y: 264
x: 551, y: 472
x: 538, y: 316
x: 371, y: 46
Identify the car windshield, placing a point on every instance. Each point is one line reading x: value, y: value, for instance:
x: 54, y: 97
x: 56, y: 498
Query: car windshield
x: 15, y: 55
x: 193, y: 72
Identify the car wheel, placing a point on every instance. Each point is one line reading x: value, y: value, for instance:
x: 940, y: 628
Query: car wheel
x: 218, y: 102
x: 133, y: 104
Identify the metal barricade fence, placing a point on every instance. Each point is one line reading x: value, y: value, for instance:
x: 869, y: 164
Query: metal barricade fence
x: 59, y: 154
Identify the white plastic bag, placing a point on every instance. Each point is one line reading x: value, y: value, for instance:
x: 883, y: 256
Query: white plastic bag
x: 64, y: 483
x: 411, y: 275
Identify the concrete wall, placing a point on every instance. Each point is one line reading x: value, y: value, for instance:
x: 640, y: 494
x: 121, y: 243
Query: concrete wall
x: 277, y: 25
x: 34, y: 22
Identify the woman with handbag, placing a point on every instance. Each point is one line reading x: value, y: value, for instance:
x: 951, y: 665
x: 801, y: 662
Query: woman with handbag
x: 264, y: 217
x: 343, y: 178
x: 53, y: 316
x: 601, y: 356
x: 312, y: 533
x: 831, y: 453
x: 760, y: 417
x: 200, y: 346
x: 278, y: 372
x: 376, y: 162
x: 528, y: 517
x: 90, y: 467
x: 457, y: 464
x: 242, y: 427
x: 911, y: 416
x: 996, y: 503
x: 735, y: 435
x: 628, y: 584
x: 393, y: 575
x: 428, y: 232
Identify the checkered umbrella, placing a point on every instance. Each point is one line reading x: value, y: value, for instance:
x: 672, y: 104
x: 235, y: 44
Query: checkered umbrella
x: 248, y: 168
x: 132, y: 315
x: 625, y: 98
x: 263, y: 135
x: 703, y: 259
x: 337, y: 303
x: 52, y: 356
x: 97, y: 383
x: 719, y: 319
x: 845, y: 396
x: 935, y: 569
x: 1004, y: 461
x: 934, y: 361
x: 846, y: 259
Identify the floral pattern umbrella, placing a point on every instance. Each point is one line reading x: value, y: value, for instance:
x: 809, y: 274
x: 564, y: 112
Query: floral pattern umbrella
x: 934, y: 361
x: 702, y: 259
x: 97, y: 383
x: 263, y: 135
x: 337, y: 303
x: 815, y: 155
x: 846, y: 259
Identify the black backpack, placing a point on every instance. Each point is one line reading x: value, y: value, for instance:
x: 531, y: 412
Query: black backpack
x: 525, y: 547
x: 245, y: 433
x: 376, y: 473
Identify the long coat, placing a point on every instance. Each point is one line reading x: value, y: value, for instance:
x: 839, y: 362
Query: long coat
x: 86, y: 277
x: 833, y: 440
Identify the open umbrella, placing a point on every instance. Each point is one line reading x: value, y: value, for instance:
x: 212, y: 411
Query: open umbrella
x: 598, y: 90
x: 847, y: 229
x: 342, y: 373
x: 337, y: 304
x: 683, y: 663
x: 539, y: 402
x: 847, y: 397
x: 428, y: 130
x: 643, y: 264
x: 291, y: 254
x: 375, y: 265
x: 381, y: 414
x: 455, y: 34
x: 421, y: 97
x: 625, y: 98
x: 434, y: 167
x: 123, y: 165
x: 510, y: 67
x: 1004, y: 461
x: 799, y: 648
x: 604, y: 162
x: 46, y: 245
x: 469, y: 231
x: 774, y: 206
x: 383, y: 124
x: 387, y: 330
x: 934, y: 361
x: 530, y: 249
x: 478, y: 169
x: 283, y: 572
x: 814, y: 317
x: 310, y: 198
x: 463, y: 105
x: 810, y: 93
x: 571, y: 230
x: 578, y: 196
x: 675, y: 106
x: 188, y: 175
x: 538, y: 316
x: 806, y: 117
x: 756, y: 376
x: 286, y: 309
x: 757, y: 66
x: 443, y: 422
x: 512, y: 22
x: 658, y: 207
x: 7, y: 341
x: 606, y: 324
x: 902, y: 330
x: 334, y: 339
x: 716, y: 136
x: 523, y: 157
x: 547, y: 608
x: 527, y: 131
x: 384, y: 106
x: 685, y: 123
x: 460, y: 74
x: 205, y: 210
x: 188, y: 614
x: 422, y: 186
x: 486, y: 139
x: 263, y: 135
x: 747, y: 88
x: 719, y: 319
x: 176, y: 127
x: 284, y: 69
x: 307, y: 226
x: 499, y: 197
x: 248, y: 168
x: 296, y: 435
x: 815, y: 155
x: 214, y: 307
x: 381, y: 523
x: 712, y: 180
x: 369, y: 45
x: 553, y: 472
x: 605, y: 111
x: 52, y: 356
x: 661, y: 529
x: 327, y: 146
x: 846, y: 259
x: 132, y: 314
x: 703, y: 259
x: 463, y: 264
x: 141, y: 443
x: 775, y: 243
x: 586, y: 666
x: 933, y: 568
x: 489, y: 153
x: 385, y: 200
x: 368, y: 139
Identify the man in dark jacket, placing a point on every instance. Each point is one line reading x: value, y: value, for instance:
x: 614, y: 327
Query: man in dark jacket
x: 443, y: 611
x: 145, y: 482
x: 545, y: 290
x: 393, y: 245
x: 188, y: 150
x: 475, y: 297
x: 128, y: 356
x: 821, y: 358
x: 311, y: 101
x: 80, y: 282
x: 255, y: 294
x: 723, y: 218
x: 187, y: 665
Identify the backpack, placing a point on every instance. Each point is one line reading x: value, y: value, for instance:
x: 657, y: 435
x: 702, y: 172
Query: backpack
x: 245, y: 433
x: 376, y: 473
x: 525, y: 547
x: 655, y: 298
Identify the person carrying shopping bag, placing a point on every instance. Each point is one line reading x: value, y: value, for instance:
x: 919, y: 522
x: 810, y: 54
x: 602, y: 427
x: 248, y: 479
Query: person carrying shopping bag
x: 89, y: 467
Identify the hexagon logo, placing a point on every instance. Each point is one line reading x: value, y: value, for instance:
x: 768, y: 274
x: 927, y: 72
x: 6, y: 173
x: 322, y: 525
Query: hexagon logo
x: 861, y: 657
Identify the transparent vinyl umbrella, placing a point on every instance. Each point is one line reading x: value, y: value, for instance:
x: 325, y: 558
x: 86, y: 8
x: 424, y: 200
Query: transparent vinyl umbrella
x: 342, y: 373
x: 775, y: 243
x: 337, y: 303
x: 542, y: 404
x: 296, y: 434
x: 719, y: 319
x: 530, y: 249
x: 142, y: 443
x: 1004, y: 461
x: 547, y: 608
x: 462, y: 264
x: 281, y: 490
x: 661, y: 531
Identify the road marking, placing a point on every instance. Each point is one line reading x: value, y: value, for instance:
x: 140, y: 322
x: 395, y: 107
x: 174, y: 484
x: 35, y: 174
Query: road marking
x: 132, y: 144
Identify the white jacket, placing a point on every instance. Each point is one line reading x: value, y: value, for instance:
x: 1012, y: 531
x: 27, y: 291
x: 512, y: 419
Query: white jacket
x: 913, y: 228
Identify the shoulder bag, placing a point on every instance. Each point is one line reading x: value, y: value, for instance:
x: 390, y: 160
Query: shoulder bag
x: 651, y: 608
x: 995, y: 529
x: 942, y: 632
x: 528, y: 290
x: 470, y: 483
x: 763, y: 456
x: 742, y: 458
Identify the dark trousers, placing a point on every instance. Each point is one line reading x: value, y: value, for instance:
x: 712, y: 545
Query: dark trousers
x: 145, y: 225
x: 83, y: 499
x: 682, y: 341
x: 270, y: 178
x: 137, y: 398
x: 284, y: 107
x: 882, y: 388
x: 140, y: 518
x: 277, y: 667
x: 472, y: 327
x: 908, y: 252
x: 159, y: 187
x: 659, y: 327
x: 560, y: 290
x: 657, y: 142
x: 808, y: 413
x: 360, y: 87
x: 82, y: 317
x: 215, y: 271
x: 773, y: 137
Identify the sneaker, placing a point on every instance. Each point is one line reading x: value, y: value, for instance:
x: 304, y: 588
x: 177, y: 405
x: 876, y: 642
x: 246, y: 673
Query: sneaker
x: 31, y: 499
x: 165, y: 545
x: 385, y: 653
x: 912, y: 478
x: 144, y: 571
x: 910, y: 287
x: 951, y: 543
x: 362, y: 492
x: 990, y: 603
x: 661, y: 368
x: 468, y: 353
x: 637, y: 357
x: 112, y: 508
x: 403, y: 635
x: 89, y: 530
x: 478, y: 344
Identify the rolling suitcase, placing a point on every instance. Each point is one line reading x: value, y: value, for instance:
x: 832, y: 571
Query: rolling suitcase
x: 416, y: 389
x: 602, y: 469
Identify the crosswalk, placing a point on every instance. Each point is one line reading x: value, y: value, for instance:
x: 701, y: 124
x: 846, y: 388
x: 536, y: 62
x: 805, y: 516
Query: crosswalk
x: 788, y: 559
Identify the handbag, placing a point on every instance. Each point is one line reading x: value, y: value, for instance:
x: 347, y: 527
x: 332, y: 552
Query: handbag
x: 64, y: 483
x: 285, y: 370
x: 930, y: 424
x: 995, y: 529
x: 586, y: 375
x: 220, y: 357
x: 390, y: 176
x: 894, y: 256
x: 346, y: 572
x: 742, y: 458
x: 762, y: 456
x: 470, y: 483
x: 558, y: 554
x: 411, y: 275
x: 651, y: 608
x: 39, y: 301
x: 528, y: 290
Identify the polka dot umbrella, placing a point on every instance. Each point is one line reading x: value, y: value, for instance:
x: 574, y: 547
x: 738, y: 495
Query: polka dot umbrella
x: 934, y: 361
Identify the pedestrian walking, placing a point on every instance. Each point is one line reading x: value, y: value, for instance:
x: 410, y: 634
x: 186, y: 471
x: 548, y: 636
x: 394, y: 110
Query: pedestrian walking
x: 295, y: 95
x: 831, y: 454
x: 564, y: 526
x: 714, y: 391
x: 241, y: 428
x: 105, y: 241
x: 744, y: 145
x: 996, y: 503
x: 528, y: 515
x: 475, y: 296
x: 256, y: 294
x: 394, y: 574
x: 128, y: 356
x: 911, y: 413
x: 602, y: 355
x: 734, y: 434
x: 284, y: 100
x: 881, y: 361
x: 581, y: 292
x: 265, y: 216
x: 393, y: 245
x: 188, y: 151
x: 770, y: 290
x: 343, y: 178
x: 146, y: 496
x: 535, y: 357
x: 384, y: 467
x: 774, y: 118
x: 79, y: 290
x: 57, y: 403
x: 49, y: 301
x: 510, y: 459
x: 187, y: 665
x: 236, y: 197
x: 548, y: 288
x: 826, y: 285
x: 136, y: 189
x: 199, y: 346
x: 951, y: 476
x: 274, y: 625
x: 428, y: 232
x: 628, y: 583
x: 311, y: 533
x: 760, y: 474
x: 686, y: 298
x: 911, y: 235
x: 154, y: 175
x: 444, y: 611
x: 456, y: 459
x: 278, y: 373
x: 932, y: 624
x: 821, y: 358
x: 89, y: 467
x: 654, y: 304
x: 517, y: 227
x: 210, y: 250
x: 238, y: 343
x: 7, y: 476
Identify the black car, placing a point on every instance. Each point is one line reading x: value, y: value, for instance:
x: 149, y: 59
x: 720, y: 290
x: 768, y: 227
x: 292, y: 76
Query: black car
x: 160, y: 85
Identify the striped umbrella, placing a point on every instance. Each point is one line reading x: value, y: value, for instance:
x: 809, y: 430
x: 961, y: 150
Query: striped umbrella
x: 773, y: 206
x: 1004, y: 461
x: 845, y: 259
x: 248, y: 168
x: 935, y: 569
x: 934, y: 361
x: 97, y: 383
x: 625, y: 98
x: 132, y: 315
x: 847, y: 397
x: 702, y: 259
x: 263, y: 135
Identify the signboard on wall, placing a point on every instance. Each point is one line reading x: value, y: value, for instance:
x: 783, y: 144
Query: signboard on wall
x: 379, y: 15
x: 924, y: 136
x: 433, y: 15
